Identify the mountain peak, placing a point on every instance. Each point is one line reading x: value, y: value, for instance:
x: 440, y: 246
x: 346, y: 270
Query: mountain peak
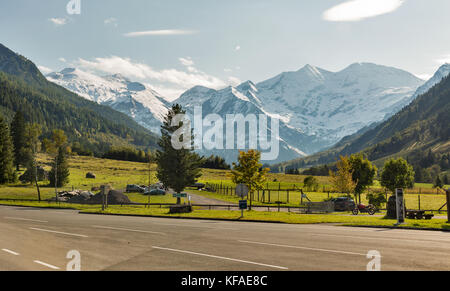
x: 247, y: 86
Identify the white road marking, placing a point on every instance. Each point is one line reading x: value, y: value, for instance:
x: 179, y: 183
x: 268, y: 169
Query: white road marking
x: 127, y: 229
x: 221, y: 258
x: 10, y: 252
x: 378, y: 238
x: 47, y: 265
x: 25, y: 219
x: 303, y: 248
x: 188, y: 225
x: 59, y: 232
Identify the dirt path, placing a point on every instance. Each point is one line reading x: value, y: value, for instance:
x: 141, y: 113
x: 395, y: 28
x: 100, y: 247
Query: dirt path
x: 199, y: 199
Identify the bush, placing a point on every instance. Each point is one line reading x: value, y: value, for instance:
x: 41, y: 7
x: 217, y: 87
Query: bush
x: 377, y: 199
x: 311, y: 184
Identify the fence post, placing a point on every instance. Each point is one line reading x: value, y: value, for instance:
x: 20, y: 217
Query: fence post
x: 287, y: 196
x: 419, y: 203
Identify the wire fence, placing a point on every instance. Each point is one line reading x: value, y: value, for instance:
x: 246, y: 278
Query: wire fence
x: 434, y: 200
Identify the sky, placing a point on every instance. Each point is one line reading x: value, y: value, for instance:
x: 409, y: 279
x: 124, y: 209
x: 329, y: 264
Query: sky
x: 173, y: 45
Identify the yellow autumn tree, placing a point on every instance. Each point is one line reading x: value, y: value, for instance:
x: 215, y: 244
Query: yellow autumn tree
x: 249, y: 171
x: 342, y: 180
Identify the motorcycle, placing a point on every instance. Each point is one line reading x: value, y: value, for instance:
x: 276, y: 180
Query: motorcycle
x: 361, y: 208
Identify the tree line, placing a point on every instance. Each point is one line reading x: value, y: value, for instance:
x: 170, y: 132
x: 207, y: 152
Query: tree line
x: 19, y: 145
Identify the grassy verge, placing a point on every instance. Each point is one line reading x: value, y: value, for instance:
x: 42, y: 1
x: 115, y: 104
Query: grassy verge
x: 280, y: 217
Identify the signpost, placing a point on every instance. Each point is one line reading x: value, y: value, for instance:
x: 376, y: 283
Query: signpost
x: 243, y: 206
x: 400, y: 200
x: 242, y: 191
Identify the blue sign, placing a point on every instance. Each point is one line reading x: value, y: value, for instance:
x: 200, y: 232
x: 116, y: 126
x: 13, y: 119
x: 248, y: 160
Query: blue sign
x: 243, y: 204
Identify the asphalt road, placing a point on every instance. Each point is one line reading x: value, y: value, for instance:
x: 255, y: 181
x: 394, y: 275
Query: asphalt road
x: 40, y: 239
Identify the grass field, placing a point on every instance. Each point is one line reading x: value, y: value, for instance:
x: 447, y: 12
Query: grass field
x: 120, y: 173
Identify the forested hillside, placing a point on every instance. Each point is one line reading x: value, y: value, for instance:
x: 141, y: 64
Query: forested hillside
x: 420, y: 133
x: 93, y: 126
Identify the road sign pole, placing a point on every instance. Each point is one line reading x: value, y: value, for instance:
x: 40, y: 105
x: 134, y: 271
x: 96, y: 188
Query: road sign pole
x: 400, y: 200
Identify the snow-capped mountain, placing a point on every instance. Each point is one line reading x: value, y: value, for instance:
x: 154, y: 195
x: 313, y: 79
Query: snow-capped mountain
x: 334, y: 105
x: 243, y: 100
x: 440, y: 74
x: 316, y: 107
x: 143, y: 104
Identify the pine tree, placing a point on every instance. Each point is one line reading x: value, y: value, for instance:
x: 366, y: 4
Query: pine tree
x: 58, y: 148
x: 18, y: 137
x: 7, y: 173
x: 62, y: 169
x: 177, y: 168
x: 438, y: 183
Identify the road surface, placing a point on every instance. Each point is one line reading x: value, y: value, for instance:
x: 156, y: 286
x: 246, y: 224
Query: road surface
x: 39, y: 239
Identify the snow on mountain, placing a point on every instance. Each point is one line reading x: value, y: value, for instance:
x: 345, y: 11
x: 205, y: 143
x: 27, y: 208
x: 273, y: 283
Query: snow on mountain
x: 316, y: 107
x: 243, y: 100
x: 143, y: 104
x: 334, y: 105
x: 440, y: 74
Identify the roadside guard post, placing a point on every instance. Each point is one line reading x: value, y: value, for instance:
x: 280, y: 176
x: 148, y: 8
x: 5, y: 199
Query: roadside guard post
x: 242, y: 206
x: 448, y: 204
x: 400, y: 199
x: 242, y: 191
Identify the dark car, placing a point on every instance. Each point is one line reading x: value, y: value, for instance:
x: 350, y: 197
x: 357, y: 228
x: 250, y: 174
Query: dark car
x: 135, y: 189
x: 155, y: 192
x: 343, y: 204
x: 199, y: 186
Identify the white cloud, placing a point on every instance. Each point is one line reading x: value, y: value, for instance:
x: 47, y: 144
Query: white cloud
x: 111, y: 21
x: 424, y: 76
x: 44, y: 70
x: 62, y: 60
x: 227, y: 70
x: 237, y: 48
x: 160, y: 32
x: 58, y: 21
x: 445, y: 59
x: 233, y: 81
x: 188, y: 62
x: 172, y: 80
x: 356, y: 10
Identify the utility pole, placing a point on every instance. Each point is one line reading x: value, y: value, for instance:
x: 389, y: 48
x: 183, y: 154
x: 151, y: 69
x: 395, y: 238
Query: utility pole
x: 448, y: 205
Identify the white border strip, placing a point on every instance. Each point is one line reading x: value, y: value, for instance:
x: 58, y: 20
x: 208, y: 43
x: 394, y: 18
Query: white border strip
x: 303, y: 248
x: 59, y: 232
x: 10, y: 252
x: 127, y: 229
x: 25, y: 219
x: 221, y: 258
x: 46, y: 265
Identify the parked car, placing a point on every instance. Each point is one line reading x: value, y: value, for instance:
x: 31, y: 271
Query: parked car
x: 343, y: 204
x: 155, y: 192
x: 135, y: 189
x: 199, y: 186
